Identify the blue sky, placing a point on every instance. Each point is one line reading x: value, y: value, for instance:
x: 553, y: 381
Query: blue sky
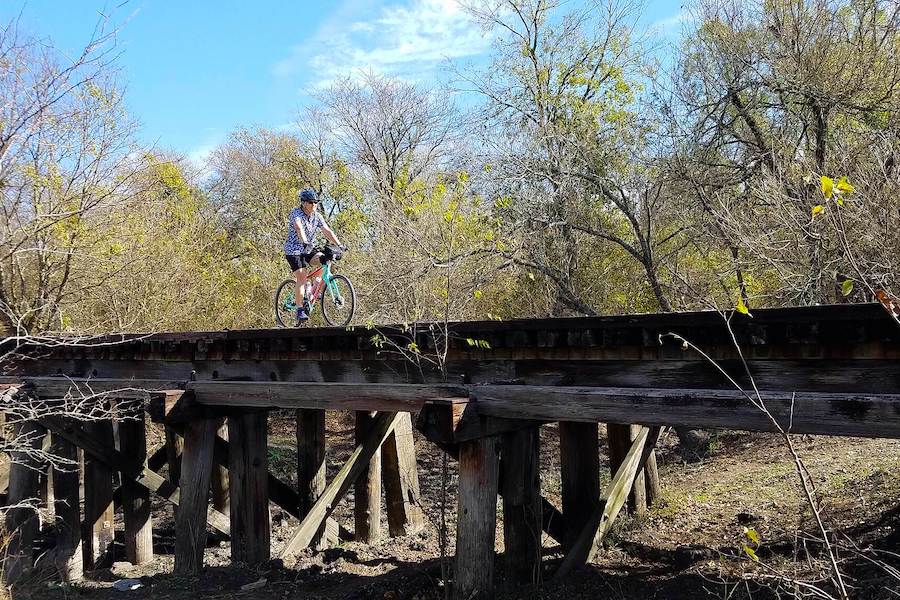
x: 195, y: 70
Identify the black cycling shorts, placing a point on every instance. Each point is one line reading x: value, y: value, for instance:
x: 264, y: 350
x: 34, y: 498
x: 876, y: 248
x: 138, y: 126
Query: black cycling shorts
x: 299, y: 261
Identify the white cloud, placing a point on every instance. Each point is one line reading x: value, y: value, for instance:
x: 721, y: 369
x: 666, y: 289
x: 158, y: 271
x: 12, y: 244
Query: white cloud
x: 403, y: 40
x: 199, y: 154
x: 673, y: 23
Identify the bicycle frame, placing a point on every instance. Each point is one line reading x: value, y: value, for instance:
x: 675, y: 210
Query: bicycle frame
x: 325, y: 278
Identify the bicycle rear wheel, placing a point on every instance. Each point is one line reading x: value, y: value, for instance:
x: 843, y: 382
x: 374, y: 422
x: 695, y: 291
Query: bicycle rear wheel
x: 338, y: 301
x: 285, y: 307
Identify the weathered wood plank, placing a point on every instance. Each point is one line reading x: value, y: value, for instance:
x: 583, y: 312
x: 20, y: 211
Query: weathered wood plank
x: 22, y: 521
x: 614, y: 497
x: 817, y: 413
x: 99, y: 516
x: 67, y: 556
x: 311, y: 465
x: 836, y: 328
x: 221, y: 499
x: 320, y: 396
x: 651, y: 473
x: 476, y: 518
x: 401, y: 479
x: 844, y: 413
x: 453, y: 420
x: 196, y: 471
x: 552, y: 520
x: 347, y: 476
x: 367, y: 490
x: 579, y: 450
x: 521, y: 491
x: 135, y: 497
x: 619, y: 439
x: 174, y: 450
x: 248, y: 471
x: 45, y: 486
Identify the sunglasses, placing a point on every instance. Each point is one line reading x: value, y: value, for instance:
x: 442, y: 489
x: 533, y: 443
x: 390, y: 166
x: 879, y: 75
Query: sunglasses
x: 310, y: 201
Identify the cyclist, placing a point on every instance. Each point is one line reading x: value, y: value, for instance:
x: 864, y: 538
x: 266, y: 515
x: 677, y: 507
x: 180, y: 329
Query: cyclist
x: 303, y: 223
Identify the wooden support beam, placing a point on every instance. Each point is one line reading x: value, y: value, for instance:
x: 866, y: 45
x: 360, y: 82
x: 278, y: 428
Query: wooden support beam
x: 99, y: 516
x: 67, y: 557
x: 4, y: 458
x: 248, y: 471
x: 321, y: 396
x: 174, y: 450
x: 383, y: 424
x: 114, y: 459
x: 175, y: 406
x: 846, y: 413
x: 476, y: 518
x: 579, y: 451
x: 311, y: 465
x: 157, y: 460
x: 868, y: 415
x: 620, y: 438
x: 221, y: 498
x: 135, y: 497
x: 45, y: 485
x: 401, y: 479
x: 196, y: 471
x: 280, y: 493
x: 552, y: 520
x: 651, y: 476
x: 367, y: 491
x: 614, y: 497
x: 637, y: 498
x: 22, y: 521
x: 453, y: 420
x: 521, y: 490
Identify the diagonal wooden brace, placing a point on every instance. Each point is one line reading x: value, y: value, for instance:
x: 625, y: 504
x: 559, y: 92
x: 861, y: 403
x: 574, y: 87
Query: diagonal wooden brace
x: 139, y: 473
x: 586, y: 546
x: 381, y: 427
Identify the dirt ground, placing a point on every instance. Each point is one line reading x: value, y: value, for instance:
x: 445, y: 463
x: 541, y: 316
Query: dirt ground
x: 691, y: 545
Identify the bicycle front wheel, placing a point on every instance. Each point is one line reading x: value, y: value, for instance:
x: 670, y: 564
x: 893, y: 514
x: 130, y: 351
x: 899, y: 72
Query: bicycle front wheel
x: 285, y: 307
x: 338, y: 301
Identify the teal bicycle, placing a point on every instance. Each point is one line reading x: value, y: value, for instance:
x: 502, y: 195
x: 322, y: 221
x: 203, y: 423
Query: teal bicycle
x: 334, y: 292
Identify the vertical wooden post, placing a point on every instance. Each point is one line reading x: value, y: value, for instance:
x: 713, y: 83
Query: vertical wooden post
x: 521, y: 489
x: 4, y: 461
x: 249, y: 487
x: 220, y: 497
x: 476, y: 518
x: 174, y: 448
x: 311, y: 465
x: 67, y: 503
x: 45, y: 485
x: 98, y: 523
x: 637, y: 499
x: 135, y: 498
x: 196, y: 471
x: 579, y: 451
x: 367, y: 491
x: 651, y: 474
x: 22, y: 522
x: 620, y: 438
x: 401, y: 479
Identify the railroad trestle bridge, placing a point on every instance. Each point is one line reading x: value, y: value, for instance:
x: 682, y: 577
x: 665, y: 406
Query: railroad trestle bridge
x: 827, y: 370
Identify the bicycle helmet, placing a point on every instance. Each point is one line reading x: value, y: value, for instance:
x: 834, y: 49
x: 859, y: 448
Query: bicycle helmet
x: 308, y: 195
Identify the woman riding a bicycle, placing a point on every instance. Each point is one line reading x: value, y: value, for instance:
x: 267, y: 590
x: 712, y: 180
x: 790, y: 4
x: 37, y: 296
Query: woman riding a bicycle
x: 303, y: 224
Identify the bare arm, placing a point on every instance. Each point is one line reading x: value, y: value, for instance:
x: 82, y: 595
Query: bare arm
x: 329, y: 233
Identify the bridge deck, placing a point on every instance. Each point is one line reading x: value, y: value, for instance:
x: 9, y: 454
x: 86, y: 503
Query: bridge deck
x: 831, y: 370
